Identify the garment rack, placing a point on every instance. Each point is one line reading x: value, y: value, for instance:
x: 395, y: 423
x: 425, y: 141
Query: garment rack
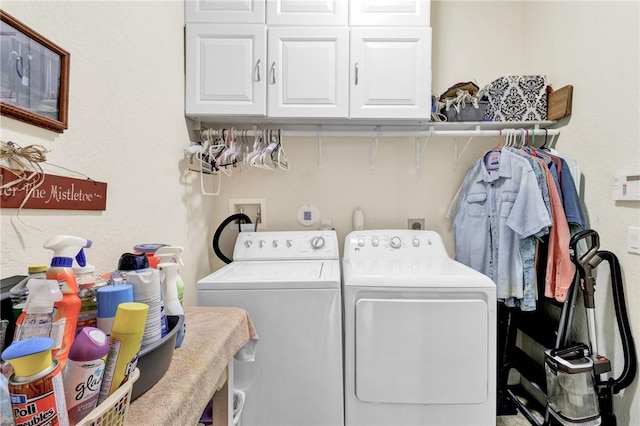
x: 469, y: 130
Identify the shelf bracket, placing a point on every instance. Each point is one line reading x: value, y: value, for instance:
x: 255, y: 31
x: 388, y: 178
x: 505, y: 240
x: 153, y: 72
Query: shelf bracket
x: 456, y: 156
x: 419, y: 148
x: 374, y: 148
x: 319, y: 136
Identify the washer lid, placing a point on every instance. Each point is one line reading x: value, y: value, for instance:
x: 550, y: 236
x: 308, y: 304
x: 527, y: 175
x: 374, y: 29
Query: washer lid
x: 273, y: 274
x: 412, y: 272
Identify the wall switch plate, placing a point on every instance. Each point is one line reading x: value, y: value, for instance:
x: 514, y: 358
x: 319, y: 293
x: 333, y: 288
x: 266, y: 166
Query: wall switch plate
x: 633, y: 240
x: 255, y: 208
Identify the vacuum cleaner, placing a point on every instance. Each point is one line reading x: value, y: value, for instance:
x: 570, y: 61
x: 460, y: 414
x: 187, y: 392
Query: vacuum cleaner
x: 578, y: 390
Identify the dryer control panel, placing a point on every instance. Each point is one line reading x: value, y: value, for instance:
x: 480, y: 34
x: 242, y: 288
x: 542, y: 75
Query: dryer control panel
x: 402, y: 243
x: 286, y: 245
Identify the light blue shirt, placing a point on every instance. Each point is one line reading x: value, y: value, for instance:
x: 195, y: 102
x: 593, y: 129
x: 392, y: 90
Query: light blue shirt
x: 498, y: 204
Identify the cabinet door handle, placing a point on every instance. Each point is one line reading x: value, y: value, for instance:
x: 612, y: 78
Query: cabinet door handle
x: 257, y: 68
x: 273, y: 72
x: 356, y: 82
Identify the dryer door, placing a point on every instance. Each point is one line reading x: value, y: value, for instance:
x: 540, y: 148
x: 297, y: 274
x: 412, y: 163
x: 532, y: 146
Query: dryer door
x: 422, y: 351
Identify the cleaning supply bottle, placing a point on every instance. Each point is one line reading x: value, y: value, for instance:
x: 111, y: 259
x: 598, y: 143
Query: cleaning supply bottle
x: 82, y: 375
x: 109, y: 297
x: 36, y: 319
x: 36, y: 388
x: 65, y: 249
x: 172, y: 254
x: 135, y: 270
x: 19, y: 292
x: 168, y: 274
x: 88, y: 283
x: 124, y: 345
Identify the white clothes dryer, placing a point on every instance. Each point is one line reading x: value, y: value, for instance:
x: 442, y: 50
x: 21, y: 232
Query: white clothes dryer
x: 289, y: 283
x: 420, y: 333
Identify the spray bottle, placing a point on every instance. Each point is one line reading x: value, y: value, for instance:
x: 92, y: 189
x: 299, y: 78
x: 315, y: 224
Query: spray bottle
x: 172, y: 254
x: 135, y: 270
x: 65, y: 249
x: 168, y: 274
x: 82, y: 375
x: 124, y: 345
x: 36, y: 318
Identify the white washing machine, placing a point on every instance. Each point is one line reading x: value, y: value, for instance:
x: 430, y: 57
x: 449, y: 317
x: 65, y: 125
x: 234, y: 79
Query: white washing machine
x: 289, y: 282
x: 420, y: 333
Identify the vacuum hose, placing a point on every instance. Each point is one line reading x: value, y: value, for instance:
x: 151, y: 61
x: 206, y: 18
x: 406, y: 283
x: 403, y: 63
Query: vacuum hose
x: 629, y: 350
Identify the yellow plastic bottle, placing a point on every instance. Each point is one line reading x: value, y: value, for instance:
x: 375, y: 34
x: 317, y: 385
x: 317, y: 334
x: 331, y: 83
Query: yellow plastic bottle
x: 124, y: 345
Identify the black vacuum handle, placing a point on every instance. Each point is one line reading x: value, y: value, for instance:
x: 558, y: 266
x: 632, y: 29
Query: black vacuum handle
x: 582, y: 262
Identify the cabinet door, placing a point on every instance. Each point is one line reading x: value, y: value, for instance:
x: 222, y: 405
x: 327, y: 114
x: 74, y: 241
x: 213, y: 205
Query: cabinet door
x: 225, y: 11
x: 226, y: 71
x: 390, y: 12
x: 390, y: 72
x: 308, y: 72
x: 307, y: 12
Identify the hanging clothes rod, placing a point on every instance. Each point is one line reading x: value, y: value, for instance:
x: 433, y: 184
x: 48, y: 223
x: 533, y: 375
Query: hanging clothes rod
x: 399, y: 134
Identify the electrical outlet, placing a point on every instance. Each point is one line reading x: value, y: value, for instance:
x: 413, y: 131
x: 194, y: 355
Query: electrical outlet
x: 255, y: 208
x: 415, y: 224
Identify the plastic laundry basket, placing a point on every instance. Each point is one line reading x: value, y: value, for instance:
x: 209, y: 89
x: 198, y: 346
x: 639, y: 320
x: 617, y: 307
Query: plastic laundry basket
x: 113, y: 410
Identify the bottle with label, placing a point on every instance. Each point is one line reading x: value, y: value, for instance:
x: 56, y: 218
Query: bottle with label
x: 169, y: 272
x: 82, y: 375
x: 88, y: 284
x: 36, y: 388
x: 65, y: 249
x: 19, y: 292
x: 124, y: 345
x: 173, y: 254
x: 147, y: 289
x: 109, y: 297
x: 36, y: 319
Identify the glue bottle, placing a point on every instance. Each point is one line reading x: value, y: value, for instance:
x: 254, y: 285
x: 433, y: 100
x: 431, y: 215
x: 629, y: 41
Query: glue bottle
x: 65, y: 249
x: 36, y: 318
x: 124, y: 345
x: 172, y: 254
x: 83, y: 373
x: 168, y: 273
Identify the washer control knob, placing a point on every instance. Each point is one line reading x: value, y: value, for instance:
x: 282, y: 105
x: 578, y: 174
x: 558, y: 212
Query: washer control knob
x: 416, y: 242
x: 248, y: 243
x: 360, y: 242
x: 317, y: 243
x: 289, y: 243
x: 261, y: 243
x: 395, y: 242
x: 375, y: 242
x: 274, y: 243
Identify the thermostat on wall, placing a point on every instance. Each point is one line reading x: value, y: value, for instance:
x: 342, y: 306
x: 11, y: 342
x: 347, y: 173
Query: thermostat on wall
x: 308, y: 215
x: 626, y: 187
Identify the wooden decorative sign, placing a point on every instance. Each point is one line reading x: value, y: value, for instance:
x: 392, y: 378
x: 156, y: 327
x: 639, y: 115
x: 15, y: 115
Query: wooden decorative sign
x: 55, y: 192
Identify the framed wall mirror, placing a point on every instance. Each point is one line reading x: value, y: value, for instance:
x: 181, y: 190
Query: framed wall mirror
x: 35, y: 76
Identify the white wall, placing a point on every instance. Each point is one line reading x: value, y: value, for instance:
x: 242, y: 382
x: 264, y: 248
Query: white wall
x: 127, y: 128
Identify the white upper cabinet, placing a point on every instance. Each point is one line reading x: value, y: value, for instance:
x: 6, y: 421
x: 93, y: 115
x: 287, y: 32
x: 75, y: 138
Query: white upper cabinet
x: 391, y: 72
x: 225, y: 11
x: 308, y: 72
x: 226, y: 70
x: 390, y: 12
x: 310, y: 61
x: 308, y: 12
